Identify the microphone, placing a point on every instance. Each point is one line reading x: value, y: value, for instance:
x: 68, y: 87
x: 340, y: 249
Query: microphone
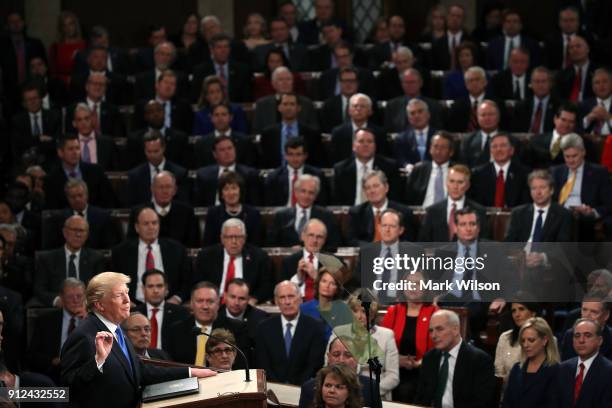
x: 197, y: 331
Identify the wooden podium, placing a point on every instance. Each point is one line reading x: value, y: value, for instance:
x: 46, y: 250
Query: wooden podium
x: 226, y: 390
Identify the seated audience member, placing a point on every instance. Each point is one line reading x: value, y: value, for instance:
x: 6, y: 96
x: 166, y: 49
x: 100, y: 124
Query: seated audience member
x: 475, y: 147
x: 266, y: 108
x: 595, y: 111
x: 262, y: 84
x: 321, y: 56
x: 274, y: 136
x: 583, y: 188
x: 161, y: 314
x: 359, y: 113
x: 337, y: 386
x: 426, y: 183
x: 141, y: 178
x: 175, y: 141
x: 33, y: 178
x: 409, y: 321
x: 70, y: 166
x: 176, y: 218
x: 221, y: 117
x: 108, y: 119
x: 381, y: 54
x: 454, y: 373
x: 512, y: 83
x: 390, y: 77
x: 532, y: 379
x: 335, y: 110
x: 96, y: 148
x: 508, y: 349
x: 462, y: 116
x: 185, y: 345
x: 53, y: 90
x: 116, y: 61
x: 311, y: 30
x: 582, y: 381
x: 290, y: 347
x: 442, y: 49
x: 53, y: 328
x: 439, y: 222
x: 144, y: 57
x: 544, y: 148
x: 329, y: 82
x: 26, y: 219
x: 287, y: 11
x: 280, y: 39
x: 594, y: 307
x: 466, y: 56
x: 17, y: 269
x: 327, y: 289
x: 534, y: 114
x: 557, y: 42
x: 234, y: 258
x: 288, y: 223
x: 413, y: 144
x: 500, y: 47
x: 164, y: 56
x: 212, y: 94
x: 135, y: 256
x: 72, y: 260
x: 138, y: 330
x: 574, y: 81
x: 365, y: 219
x: 220, y: 356
x: 234, y: 75
x: 502, y: 182
x: 436, y: 24
x: 207, y: 177
x: 279, y: 186
x: 231, y: 187
x: 34, y: 127
x: 339, y: 352
x: 349, y: 173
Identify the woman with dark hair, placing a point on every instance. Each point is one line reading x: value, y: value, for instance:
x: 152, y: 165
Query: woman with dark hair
x: 231, y: 186
x: 337, y: 386
x: 211, y: 95
x: 184, y: 39
x: 466, y: 55
x: 219, y: 355
x: 379, y: 33
x: 262, y: 85
x: 69, y: 43
x: 490, y: 22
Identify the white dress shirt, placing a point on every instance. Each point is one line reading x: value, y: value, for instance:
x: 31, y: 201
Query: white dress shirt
x: 160, y: 320
x: 521, y: 82
x: 574, y: 198
x: 504, y: 168
x: 299, y: 213
x: 296, y: 279
x: 160, y: 167
x: 359, y: 166
x: 431, y: 193
x: 587, y: 365
x: 142, y: 261
x: 293, y: 322
x: 447, y: 398
x: 237, y: 269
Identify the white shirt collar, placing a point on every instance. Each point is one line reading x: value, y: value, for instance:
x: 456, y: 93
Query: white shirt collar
x: 294, y: 321
x: 109, y: 325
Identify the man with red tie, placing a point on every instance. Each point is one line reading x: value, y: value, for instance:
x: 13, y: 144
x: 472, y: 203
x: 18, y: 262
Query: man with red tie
x: 574, y: 81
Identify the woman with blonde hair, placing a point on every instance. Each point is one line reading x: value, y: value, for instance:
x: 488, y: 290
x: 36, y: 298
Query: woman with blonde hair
x: 255, y: 31
x: 337, y: 386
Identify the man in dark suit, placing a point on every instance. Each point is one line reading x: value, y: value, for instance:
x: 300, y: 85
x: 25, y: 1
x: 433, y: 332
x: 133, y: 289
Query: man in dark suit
x: 593, y: 307
x: 206, y: 183
x: 234, y: 258
x: 53, y: 90
x: 463, y: 112
x: 140, y: 178
x: 288, y: 223
x: 117, y: 60
x: 582, y: 381
x: 72, y: 260
x: 135, y: 256
x: 145, y: 83
x: 574, y: 81
x: 101, y: 369
x: 235, y: 75
x: 329, y: 82
x: 512, y: 83
x: 69, y: 151
x: 443, y: 49
x: 280, y: 39
x: 335, y: 110
x: 503, y: 181
x: 96, y: 148
x: 535, y: 114
x: 311, y: 31
x: 475, y: 147
x: 274, y: 137
x: 595, y: 112
x: 144, y: 56
x: 349, y: 173
x: 413, y: 144
x: 439, y: 222
x: 381, y: 54
x: 138, y: 330
x: 454, y: 373
x: 556, y: 44
x: 544, y: 149
x: 290, y: 346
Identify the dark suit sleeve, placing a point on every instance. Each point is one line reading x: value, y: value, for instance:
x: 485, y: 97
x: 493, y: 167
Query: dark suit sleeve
x: 483, y: 393
x: 78, y: 365
x: 263, y: 289
x: 316, y: 351
x: 42, y: 281
x: 306, y: 394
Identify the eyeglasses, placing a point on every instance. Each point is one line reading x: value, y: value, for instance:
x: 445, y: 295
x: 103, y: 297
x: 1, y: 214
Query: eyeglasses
x: 338, y: 387
x: 218, y: 352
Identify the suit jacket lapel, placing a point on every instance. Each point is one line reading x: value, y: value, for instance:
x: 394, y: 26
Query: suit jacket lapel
x: 116, y: 349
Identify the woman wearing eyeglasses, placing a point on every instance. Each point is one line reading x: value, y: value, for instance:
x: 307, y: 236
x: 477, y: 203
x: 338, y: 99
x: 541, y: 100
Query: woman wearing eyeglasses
x: 337, y: 387
x: 220, y: 356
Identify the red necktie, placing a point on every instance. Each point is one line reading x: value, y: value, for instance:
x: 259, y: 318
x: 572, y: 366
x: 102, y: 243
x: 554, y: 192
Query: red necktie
x: 473, y: 123
x: 309, y: 282
x: 537, y: 119
x: 377, y: 236
x: 231, y: 273
x: 451, y: 222
x: 500, y: 189
x: 575, y: 94
x: 150, y: 261
x: 578, y: 383
x: 293, y: 180
x: 154, y: 328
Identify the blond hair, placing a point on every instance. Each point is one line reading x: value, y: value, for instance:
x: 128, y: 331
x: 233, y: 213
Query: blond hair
x: 543, y: 330
x: 102, y: 284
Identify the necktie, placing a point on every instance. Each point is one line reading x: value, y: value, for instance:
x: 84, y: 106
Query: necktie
x: 86, y: 153
x: 231, y: 272
x: 566, y: 56
x: 537, y: 230
x: 439, y: 186
x: 473, y: 123
x: 73, y: 174
x: 556, y: 148
x: 508, y: 52
x: 96, y: 117
x: 309, y: 282
x: 201, y: 348
x: 21, y: 59
x: 487, y: 140
x: 364, y: 172
x: 302, y: 222
x: 500, y: 189
x: 567, y: 188
x: 71, y: 325
x: 386, y: 276
x: 154, y: 327
x: 421, y: 144
x: 578, y: 383
x: 72, y: 272
x: 167, y: 115
x: 517, y: 90
x: 442, y: 379
x: 150, y: 260
x: 221, y: 70
x: 36, y: 127
x: 537, y: 119
x: 293, y: 180
x: 577, y: 86
x: 376, y: 225
x: 157, y: 170
x: 123, y: 346
x: 451, y: 222
x: 452, y: 51
x: 288, y: 338
x: 469, y: 272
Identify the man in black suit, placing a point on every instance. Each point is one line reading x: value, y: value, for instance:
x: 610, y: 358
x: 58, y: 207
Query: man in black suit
x: 311, y: 31
x: 556, y: 44
x: 329, y: 82
x: 96, y: 148
x: 117, y: 60
x: 139, y: 331
x: 512, y: 83
x: 72, y: 260
x: 595, y: 308
x: 439, y: 222
x: 135, y: 256
x: 235, y: 75
x: 280, y: 39
x: 534, y: 114
x: 161, y: 314
x: 382, y: 54
x: 164, y: 57
x: 443, y: 49
x: 275, y: 136
x: 140, y: 178
x: 475, y: 147
x: 144, y: 56
x: 206, y: 183
x: 413, y: 144
x: 454, y: 373
x: 349, y: 173
x: 544, y: 149
x: 290, y: 346
x: 288, y: 224
x: 102, y: 369
x: 53, y: 90
x: 463, y: 112
x: 574, y: 81
x: 335, y: 110
x: 69, y: 151
x: 595, y: 112
x: 503, y: 181
x: 234, y: 258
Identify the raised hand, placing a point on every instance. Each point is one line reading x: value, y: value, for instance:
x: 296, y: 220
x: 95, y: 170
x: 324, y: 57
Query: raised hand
x: 104, y: 345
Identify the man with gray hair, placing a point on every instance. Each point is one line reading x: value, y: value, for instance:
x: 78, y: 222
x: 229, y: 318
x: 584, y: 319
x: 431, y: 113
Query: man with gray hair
x: 412, y: 145
x: 463, y: 113
x: 164, y: 56
x: 235, y: 258
x: 95, y: 147
x: 475, y: 147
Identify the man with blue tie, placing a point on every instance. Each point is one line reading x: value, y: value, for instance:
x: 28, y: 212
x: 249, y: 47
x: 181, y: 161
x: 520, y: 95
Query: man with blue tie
x: 412, y: 145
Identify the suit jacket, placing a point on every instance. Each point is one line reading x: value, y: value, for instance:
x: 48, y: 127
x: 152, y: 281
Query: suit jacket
x: 106, y: 150
x: 22, y: 138
x: 255, y: 269
x: 440, y: 53
x: 309, y: 31
x: 459, y: 114
x: 556, y: 228
x: 206, y: 185
x: 565, y: 81
x: 177, y: 265
x: 330, y: 77
x: 503, y: 86
x: 139, y: 183
x: 538, y: 151
x: 246, y: 153
x: 525, y: 110
x: 331, y: 115
x: 342, y: 141
x: 181, y: 115
x: 345, y: 179
x: 305, y: 356
x: 33, y: 48
x: 271, y: 148
x: 199, y: 53
x: 171, y: 314
x: 567, y: 347
x: 405, y: 147
x: 117, y: 88
x: 282, y: 228
x: 46, y: 342
x: 585, y: 108
x: 117, y: 384
x: 266, y: 113
x: 276, y: 186
x: 216, y: 216
x: 52, y: 269
x: 434, y: 227
x: 239, y: 80
x: 473, y: 378
x: 100, y: 191
x: 144, y: 85
x: 251, y: 318
x: 111, y: 120
x: 595, y: 391
x: 119, y: 59
x: 417, y: 182
x: 595, y: 191
x: 395, y: 114
x: 484, y: 180
x: 361, y: 223
x: 537, y: 392
x: 177, y: 147
x: 472, y: 152
x: 102, y: 234
x: 297, y: 56
x: 496, y: 47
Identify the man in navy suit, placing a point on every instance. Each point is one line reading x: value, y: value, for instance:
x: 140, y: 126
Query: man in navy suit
x: 412, y: 145
x: 513, y: 82
x: 443, y: 49
x: 475, y: 146
x: 310, y: 31
x: 595, y: 112
x: 556, y: 44
x: 145, y: 82
x: 544, y: 149
x: 96, y: 148
x: 329, y: 82
x: 290, y: 346
x: 335, y: 110
x: 574, y: 81
x: 280, y: 38
x: 499, y: 48
x: 463, y: 116
x: 534, y: 114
